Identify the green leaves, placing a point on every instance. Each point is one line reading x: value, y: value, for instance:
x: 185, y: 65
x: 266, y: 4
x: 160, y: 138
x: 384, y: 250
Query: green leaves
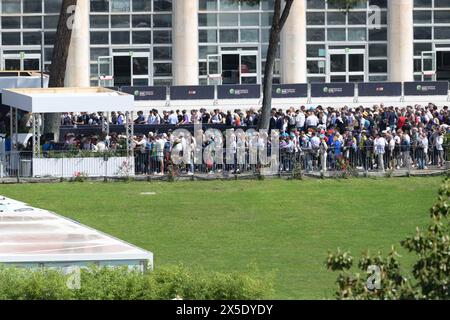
x: 123, y: 284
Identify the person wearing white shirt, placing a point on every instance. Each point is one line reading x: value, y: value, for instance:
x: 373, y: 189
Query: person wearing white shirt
x: 300, y: 121
x: 151, y: 118
x: 157, y: 118
x: 173, y: 118
x: 423, y: 144
x: 216, y: 117
x: 380, y: 149
x: 101, y: 146
x: 312, y: 121
x: 440, y: 149
x: 315, y: 142
x: 160, y: 143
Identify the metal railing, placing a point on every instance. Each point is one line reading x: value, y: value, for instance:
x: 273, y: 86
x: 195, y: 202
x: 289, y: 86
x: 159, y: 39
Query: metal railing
x: 70, y: 164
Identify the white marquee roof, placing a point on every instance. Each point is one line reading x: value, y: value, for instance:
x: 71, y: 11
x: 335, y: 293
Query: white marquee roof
x: 31, y: 80
x: 60, y: 100
x: 30, y: 235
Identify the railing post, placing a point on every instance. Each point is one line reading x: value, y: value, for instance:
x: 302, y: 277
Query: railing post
x: 18, y: 165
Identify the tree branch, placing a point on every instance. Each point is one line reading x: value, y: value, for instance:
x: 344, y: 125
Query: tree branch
x: 285, y: 14
x: 276, y: 15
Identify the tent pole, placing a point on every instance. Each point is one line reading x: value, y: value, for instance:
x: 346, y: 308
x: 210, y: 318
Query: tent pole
x: 130, y: 133
x: 36, y: 136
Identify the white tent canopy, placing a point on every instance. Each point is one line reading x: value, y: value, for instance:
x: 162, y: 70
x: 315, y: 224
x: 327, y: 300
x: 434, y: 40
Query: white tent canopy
x: 60, y: 100
x: 34, y: 237
x: 20, y: 79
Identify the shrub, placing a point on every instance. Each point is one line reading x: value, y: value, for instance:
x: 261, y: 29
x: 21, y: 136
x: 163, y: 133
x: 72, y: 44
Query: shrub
x: 41, y: 284
x: 80, y: 177
x: 123, y: 284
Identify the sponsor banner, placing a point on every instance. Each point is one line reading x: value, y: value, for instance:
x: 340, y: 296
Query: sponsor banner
x: 192, y: 93
x: 426, y: 88
x: 375, y: 89
x: 147, y: 93
x: 249, y: 91
x: 332, y: 90
x: 290, y: 91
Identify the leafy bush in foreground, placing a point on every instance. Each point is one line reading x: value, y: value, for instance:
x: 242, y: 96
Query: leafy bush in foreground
x: 122, y: 284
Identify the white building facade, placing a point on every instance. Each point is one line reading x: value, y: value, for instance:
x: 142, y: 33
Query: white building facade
x: 190, y: 42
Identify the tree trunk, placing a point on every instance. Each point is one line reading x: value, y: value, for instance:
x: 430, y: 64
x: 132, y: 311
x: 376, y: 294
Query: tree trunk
x: 59, y: 61
x: 279, y: 20
x: 264, y: 121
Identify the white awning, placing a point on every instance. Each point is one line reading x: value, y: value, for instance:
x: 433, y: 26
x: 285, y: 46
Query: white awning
x: 60, y: 100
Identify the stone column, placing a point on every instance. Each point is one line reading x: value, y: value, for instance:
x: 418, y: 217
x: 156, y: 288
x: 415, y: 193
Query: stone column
x: 185, y: 42
x: 293, y: 45
x: 78, y: 61
x: 400, y: 40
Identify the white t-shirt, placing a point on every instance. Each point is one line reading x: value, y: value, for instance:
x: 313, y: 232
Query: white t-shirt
x: 380, y: 145
x: 439, y: 143
x: 300, y: 120
x: 312, y: 121
x: 160, y: 147
x: 315, y: 142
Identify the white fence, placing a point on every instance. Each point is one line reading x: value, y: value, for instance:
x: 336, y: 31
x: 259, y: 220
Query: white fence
x: 70, y: 167
x: 63, y: 166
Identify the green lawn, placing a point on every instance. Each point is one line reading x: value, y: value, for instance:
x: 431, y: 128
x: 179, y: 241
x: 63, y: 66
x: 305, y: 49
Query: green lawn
x: 282, y: 226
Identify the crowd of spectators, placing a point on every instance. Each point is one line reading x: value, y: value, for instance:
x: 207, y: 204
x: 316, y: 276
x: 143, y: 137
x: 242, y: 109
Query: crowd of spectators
x: 371, y: 138
x: 154, y: 117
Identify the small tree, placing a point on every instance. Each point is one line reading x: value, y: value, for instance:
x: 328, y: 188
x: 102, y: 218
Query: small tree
x: 431, y: 271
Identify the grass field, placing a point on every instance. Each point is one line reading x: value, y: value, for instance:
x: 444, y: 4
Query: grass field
x: 285, y: 227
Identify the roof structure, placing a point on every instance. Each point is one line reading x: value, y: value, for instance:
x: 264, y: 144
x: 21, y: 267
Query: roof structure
x: 60, y: 100
x: 31, y: 236
x: 21, y: 79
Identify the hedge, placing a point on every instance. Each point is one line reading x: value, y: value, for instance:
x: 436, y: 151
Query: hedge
x: 165, y: 283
